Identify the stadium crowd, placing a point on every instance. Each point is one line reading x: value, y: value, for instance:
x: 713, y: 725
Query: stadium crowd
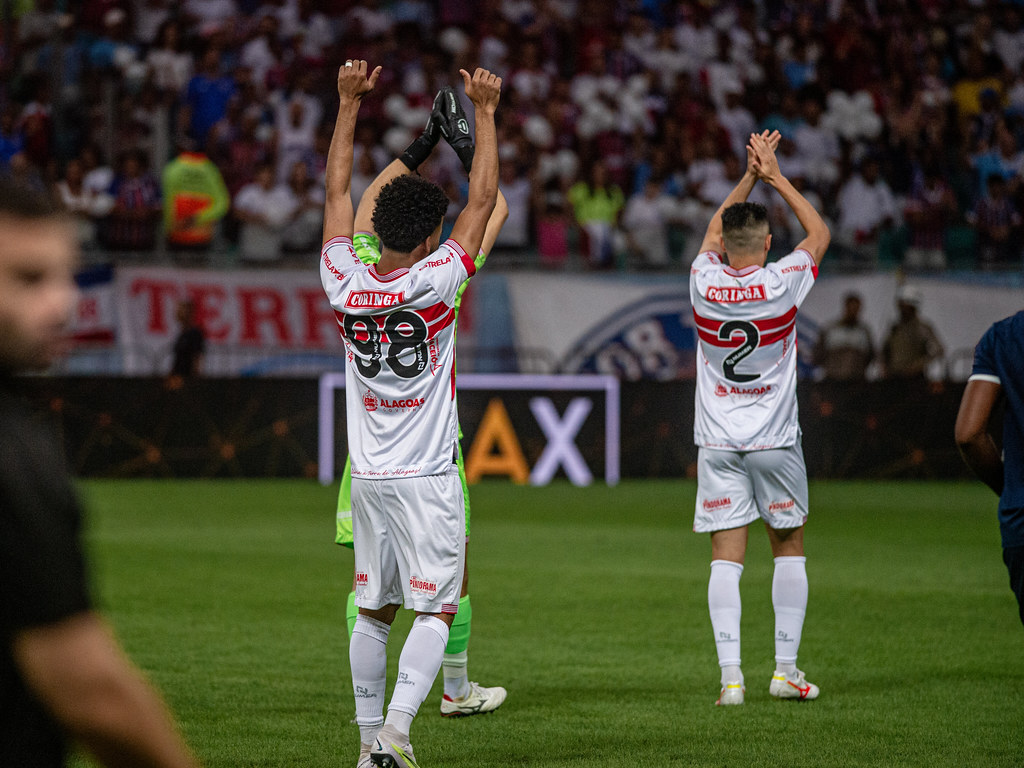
x: 620, y: 130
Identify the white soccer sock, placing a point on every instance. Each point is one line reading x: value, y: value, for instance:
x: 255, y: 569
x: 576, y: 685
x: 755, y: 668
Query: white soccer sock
x: 454, y: 667
x: 367, y: 654
x: 417, y: 668
x: 789, y: 596
x: 725, y: 609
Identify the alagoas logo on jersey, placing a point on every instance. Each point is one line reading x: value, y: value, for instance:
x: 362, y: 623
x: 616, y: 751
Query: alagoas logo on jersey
x: 735, y: 295
x: 722, y: 391
x: 373, y: 299
x: 373, y: 403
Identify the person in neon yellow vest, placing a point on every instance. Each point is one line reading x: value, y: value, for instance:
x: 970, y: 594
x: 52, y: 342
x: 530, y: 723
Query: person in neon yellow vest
x: 195, y: 199
x: 462, y: 697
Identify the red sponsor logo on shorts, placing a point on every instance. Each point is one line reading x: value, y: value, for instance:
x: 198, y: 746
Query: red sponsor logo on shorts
x: 781, y: 506
x: 376, y: 299
x: 362, y: 579
x: 712, y: 504
x: 730, y: 295
x: 423, y: 587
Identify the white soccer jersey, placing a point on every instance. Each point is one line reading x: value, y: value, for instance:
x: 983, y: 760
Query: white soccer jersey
x: 746, y: 356
x: 399, y: 332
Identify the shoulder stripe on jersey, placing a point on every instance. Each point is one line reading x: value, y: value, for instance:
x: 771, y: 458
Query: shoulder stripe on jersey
x: 467, y: 260
x: 390, y: 277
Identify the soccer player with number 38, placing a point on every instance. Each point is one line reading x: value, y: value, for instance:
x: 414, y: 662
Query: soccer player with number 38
x: 398, y: 321
x: 750, y: 462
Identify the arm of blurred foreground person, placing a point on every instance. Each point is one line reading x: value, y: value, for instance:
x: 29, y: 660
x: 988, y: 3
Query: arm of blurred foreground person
x: 77, y: 670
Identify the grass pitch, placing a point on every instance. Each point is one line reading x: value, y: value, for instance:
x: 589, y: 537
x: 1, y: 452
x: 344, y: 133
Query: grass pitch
x: 590, y: 607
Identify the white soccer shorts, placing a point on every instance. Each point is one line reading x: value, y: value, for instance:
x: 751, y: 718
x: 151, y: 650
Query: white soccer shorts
x: 409, y: 541
x: 734, y: 488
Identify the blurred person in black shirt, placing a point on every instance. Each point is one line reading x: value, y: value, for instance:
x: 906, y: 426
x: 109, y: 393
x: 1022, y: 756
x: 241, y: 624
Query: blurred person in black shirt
x: 190, y: 344
x: 63, y: 675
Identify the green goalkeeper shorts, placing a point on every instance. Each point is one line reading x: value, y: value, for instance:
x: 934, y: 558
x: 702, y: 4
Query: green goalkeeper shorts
x: 343, y: 535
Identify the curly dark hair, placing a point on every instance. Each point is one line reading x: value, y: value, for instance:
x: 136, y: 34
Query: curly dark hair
x: 744, y: 226
x: 408, y: 209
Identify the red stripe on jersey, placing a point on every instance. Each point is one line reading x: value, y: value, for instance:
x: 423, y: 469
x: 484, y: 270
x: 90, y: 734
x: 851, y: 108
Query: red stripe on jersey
x: 739, y: 338
x: 436, y: 328
x: 706, y: 322
x: 779, y: 335
x: 453, y: 382
x: 776, y: 322
x: 467, y: 260
x: 430, y: 314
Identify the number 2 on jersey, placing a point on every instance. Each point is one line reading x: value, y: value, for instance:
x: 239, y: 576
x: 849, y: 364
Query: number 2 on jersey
x: 748, y: 345
x: 405, y: 333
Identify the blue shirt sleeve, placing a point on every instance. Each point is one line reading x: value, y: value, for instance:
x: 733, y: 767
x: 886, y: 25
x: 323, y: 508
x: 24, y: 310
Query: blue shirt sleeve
x: 985, y: 357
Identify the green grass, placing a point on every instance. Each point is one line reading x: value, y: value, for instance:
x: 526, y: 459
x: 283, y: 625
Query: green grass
x: 590, y: 607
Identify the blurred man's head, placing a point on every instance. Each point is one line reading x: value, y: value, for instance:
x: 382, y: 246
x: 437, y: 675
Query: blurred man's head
x: 851, y: 308
x: 37, y: 286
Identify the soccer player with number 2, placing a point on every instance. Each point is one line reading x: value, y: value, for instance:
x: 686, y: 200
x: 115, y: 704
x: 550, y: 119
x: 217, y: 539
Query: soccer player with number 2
x: 750, y: 462
x: 398, y: 321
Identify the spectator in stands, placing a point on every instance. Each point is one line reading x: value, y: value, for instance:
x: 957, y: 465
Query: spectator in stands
x: 87, y: 207
x: 194, y: 200
x: 133, y: 222
x: 303, y: 232
x: 911, y: 345
x: 169, y: 63
x: 12, y: 140
x: 206, y: 97
x: 263, y: 209
x: 646, y: 221
x: 597, y: 204
x: 844, y: 349
x: 997, y: 221
x: 296, y: 121
x: 518, y: 191
x: 98, y: 175
x: 553, y: 227
x: 930, y: 208
x: 866, y: 208
x: 23, y: 173
x: 817, y: 145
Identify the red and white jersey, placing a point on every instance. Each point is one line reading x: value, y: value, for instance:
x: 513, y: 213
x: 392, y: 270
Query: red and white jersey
x: 746, y: 355
x: 399, y: 332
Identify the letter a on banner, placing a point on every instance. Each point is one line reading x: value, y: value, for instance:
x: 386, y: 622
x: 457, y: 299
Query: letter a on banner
x: 496, y: 432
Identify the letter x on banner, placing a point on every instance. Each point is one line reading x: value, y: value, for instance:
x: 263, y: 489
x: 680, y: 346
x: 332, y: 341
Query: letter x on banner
x: 561, y: 449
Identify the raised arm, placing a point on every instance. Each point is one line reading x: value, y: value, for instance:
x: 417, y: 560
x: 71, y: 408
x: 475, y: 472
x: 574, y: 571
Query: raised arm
x: 976, y: 445
x: 766, y: 165
x: 740, y: 193
x: 353, y: 84
x: 494, y: 224
x: 364, y: 213
x: 484, y: 90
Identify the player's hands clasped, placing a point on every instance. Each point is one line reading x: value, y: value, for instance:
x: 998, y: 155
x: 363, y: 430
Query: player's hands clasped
x: 761, y: 158
x: 483, y: 88
x: 353, y: 82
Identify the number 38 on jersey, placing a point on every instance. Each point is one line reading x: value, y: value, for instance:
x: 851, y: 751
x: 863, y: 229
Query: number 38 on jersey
x: 398, y: 340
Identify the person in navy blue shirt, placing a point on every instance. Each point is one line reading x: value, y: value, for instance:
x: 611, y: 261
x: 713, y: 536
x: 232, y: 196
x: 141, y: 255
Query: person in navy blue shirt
x: 998, y: 374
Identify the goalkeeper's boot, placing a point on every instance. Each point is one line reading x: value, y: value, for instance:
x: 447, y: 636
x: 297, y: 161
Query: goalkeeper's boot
x: 364, y: 756
x: 392, y: 750
x: 478, y: 701
x: 451, y: 119
x: 792, y: 686
x: 732, y: 693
